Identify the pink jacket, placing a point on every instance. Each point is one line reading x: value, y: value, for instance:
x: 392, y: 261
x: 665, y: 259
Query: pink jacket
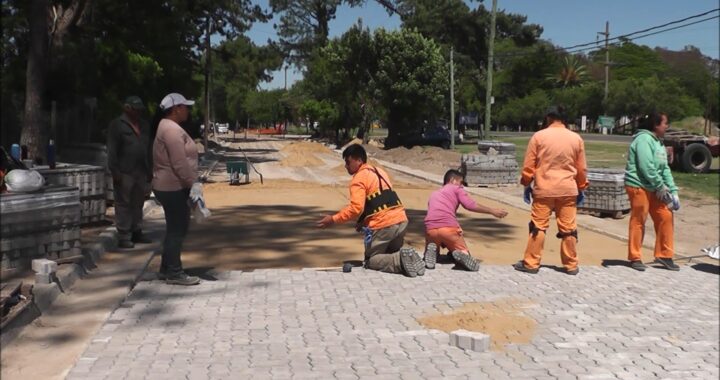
x: 175, y: 158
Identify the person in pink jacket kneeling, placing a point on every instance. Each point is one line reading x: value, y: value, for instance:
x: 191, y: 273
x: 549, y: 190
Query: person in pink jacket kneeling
x: 442, y: 228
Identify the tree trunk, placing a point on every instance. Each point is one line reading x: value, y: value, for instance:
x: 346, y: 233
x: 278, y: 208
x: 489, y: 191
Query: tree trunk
x: 35, y: 130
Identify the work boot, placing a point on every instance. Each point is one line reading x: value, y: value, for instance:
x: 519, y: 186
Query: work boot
x: 126, y: 244
x: 638, y: 265
x: 140, y: 238
x: 667, y: 263
x: 182, y: 279
x: 573, y: 272
x: 411, y: 262
x: 466, y: 261
x: 430, y: 256
x: 520, y: 266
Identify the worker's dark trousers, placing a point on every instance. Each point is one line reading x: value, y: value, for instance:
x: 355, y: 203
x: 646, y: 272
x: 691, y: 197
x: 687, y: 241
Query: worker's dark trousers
x: 129, y: 193
x: 177, y: 220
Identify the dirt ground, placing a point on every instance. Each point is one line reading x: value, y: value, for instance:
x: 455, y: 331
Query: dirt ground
x: 272, y: 225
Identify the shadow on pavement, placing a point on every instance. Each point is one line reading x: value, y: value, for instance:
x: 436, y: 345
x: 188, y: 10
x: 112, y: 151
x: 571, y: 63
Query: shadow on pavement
x: 707, y: 268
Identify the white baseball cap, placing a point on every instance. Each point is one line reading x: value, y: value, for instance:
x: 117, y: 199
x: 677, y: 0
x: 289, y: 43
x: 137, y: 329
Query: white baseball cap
x: 174, y: 99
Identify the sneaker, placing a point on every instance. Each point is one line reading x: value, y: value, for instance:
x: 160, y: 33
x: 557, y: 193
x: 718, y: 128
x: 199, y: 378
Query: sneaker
x: 411, y: 262
x: 573, y: 272
x: 667, y: 263
x: 182, y: 279
x: 126, y: 244
x: 140, y: 238
x: 430, y: 256
x: 466, y: 261
x: 638, y: 265
x: 520, y: 266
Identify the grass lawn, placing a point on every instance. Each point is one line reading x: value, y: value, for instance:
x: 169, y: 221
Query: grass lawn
x: 612, y: 155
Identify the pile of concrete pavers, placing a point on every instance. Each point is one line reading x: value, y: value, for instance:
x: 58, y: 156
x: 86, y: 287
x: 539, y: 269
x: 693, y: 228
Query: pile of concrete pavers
x: 89, y: 179
x: 606, y: 193
x: 494, y: 165
x: 43, y: 224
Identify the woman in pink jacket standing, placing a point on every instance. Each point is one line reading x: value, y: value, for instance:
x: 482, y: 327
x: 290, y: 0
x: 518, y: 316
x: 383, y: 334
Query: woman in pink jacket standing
x: 175, y: 180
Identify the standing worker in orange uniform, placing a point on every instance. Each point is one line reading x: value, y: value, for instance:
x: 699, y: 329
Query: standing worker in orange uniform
x: 380, y: 215
x: 651, y: 189
x: 554, y: 175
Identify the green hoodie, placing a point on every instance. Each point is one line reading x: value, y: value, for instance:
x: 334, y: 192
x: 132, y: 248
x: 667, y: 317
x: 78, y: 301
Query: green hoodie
x: 647, y: 165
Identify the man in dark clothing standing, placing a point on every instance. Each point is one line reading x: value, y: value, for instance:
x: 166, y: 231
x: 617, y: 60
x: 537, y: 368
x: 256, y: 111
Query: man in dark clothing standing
x: 128, y: 145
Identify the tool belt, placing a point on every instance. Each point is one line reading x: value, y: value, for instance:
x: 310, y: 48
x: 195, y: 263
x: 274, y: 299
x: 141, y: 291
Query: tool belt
x: 382, y: 199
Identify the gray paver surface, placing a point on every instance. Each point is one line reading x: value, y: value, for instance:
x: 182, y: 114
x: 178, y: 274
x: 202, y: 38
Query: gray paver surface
x: 605, y: 323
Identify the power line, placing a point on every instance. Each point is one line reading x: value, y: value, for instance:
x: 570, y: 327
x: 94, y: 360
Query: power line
x: 648, y: 34
x: 647, y: 29
x: 581, y: 47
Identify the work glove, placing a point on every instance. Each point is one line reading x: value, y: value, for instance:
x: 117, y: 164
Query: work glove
x: 675, y: 202
x: 196, y: 191
x: 527, y: 194
x: 580, y: 200
x: 663, y: 195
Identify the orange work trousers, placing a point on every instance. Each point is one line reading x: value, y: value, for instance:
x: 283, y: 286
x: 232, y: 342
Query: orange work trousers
x: 448, y: 237
x: 565, y: 212
x: 643, y: 202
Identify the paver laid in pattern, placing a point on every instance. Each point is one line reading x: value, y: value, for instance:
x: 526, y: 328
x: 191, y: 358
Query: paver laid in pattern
x: 605, y: 323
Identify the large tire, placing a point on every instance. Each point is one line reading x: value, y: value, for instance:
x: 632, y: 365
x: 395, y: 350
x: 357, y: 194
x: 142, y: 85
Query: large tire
x: 696, y: 158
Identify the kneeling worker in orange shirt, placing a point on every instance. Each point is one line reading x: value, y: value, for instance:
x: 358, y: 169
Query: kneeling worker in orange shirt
x: 555, y: 162
x: 380, y: 215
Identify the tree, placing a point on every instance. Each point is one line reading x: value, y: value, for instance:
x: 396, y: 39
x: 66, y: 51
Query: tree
x: 304, y: 25
x: 635, y: 97
x: 411, y: 80
x: 525, y: 111
x: 571, y: 73
x: 238, y: 67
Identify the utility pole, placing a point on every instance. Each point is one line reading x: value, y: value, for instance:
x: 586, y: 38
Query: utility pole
x: 284, y: 110
x: 452, y: 101
x: 488, y: 91
x: 207, y: 83
x: 607, y: 62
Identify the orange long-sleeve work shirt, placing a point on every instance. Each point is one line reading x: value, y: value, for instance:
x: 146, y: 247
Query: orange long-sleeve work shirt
x: 555, y: 160
x: 363, y: 183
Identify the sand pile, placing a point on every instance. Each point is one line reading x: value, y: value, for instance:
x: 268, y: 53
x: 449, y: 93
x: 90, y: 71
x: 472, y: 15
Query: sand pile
x: 300, y: 154
x: 503, y: 320
x: 429, y: 158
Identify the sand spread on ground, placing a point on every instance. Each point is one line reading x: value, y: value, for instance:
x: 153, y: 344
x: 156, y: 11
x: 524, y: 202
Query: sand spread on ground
x: 300, y: 154
x: 225, y: 187
x: 503, y: 320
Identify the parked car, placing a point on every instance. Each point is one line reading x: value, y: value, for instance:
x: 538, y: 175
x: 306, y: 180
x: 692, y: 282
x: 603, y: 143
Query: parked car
x: 223, y: 128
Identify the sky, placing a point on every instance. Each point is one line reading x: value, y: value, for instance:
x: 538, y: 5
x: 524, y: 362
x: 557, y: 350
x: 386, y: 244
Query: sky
x: 564, y: 22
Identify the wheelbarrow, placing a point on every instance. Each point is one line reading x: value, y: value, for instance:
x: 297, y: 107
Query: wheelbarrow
x: 237, y: 170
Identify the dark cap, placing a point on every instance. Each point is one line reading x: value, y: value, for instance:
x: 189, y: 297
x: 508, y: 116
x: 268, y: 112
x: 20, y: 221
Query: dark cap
x: 555, y: 111
x: 134, y: 102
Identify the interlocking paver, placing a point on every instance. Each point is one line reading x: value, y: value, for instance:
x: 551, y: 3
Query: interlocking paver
x: 607, y: 323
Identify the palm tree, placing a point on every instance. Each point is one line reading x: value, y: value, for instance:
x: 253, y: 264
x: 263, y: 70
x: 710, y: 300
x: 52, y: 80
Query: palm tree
x: 572, y: 73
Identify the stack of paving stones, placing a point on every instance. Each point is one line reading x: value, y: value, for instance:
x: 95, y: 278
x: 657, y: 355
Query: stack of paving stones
x: 43, y: 224
x: 494, y: 165
x: 91, y: 182
x: 606, y: 193
x: 605, y: 323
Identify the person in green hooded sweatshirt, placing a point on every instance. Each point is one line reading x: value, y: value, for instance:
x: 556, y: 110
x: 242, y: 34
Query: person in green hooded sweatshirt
x: 651, y: 189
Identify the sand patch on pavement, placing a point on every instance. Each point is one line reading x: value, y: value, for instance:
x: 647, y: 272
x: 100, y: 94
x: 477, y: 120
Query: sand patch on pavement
x: 503, y: 320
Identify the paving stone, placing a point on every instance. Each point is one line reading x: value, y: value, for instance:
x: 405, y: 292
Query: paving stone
x: 291, y: 326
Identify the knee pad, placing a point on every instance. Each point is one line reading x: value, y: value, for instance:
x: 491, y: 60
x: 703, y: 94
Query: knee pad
x: 562, y: 235
x: 533, y: 229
